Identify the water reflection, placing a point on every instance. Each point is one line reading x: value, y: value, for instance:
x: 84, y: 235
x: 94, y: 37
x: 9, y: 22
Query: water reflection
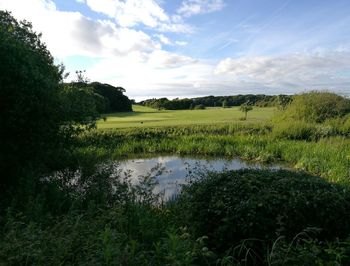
x: 176, y: 169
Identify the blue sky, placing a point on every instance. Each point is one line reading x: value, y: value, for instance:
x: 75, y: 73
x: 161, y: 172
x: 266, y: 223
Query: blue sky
x: 186, y: 48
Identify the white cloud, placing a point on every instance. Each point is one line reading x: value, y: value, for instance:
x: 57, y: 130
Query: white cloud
x: 176, y: 28
x: 135, y: 60
x: 159, y: 73
x: 163, y: 39
x: 164, y: 59
x: 131, y: 12
x: 128, y: 13
x: 307, y: 69
x: 71, y: 33
x: 195, y: 7
x: 181, y: 43
x: 126, y: 56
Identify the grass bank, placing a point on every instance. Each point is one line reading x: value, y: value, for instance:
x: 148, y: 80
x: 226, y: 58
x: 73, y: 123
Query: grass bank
x: 328, y: 157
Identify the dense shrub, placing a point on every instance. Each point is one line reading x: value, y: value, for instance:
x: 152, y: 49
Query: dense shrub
x: 297, y: 130
x: 340, y: 125
x: 316, y: 107
x: 235, y: 205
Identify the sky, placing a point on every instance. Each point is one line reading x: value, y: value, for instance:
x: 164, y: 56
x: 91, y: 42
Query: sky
x: 190, y: 48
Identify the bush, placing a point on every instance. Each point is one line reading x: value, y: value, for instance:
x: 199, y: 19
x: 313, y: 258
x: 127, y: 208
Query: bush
x: 345, y: 127
x: 294, y: 130
x: 233, y: 206
x: 316, y: 107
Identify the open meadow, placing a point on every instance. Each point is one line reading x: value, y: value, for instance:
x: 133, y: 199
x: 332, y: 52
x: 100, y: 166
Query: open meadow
x: 148, y: 117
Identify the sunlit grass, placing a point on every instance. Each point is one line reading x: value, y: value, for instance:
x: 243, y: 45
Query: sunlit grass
x: 148, y: 117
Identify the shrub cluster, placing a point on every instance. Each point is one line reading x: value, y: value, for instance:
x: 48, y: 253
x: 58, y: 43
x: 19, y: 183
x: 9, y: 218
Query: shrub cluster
x: 233, y: 206
x: 316, y: 107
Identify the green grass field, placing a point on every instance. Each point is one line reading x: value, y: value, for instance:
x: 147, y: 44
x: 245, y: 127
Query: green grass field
x: 148, y: 117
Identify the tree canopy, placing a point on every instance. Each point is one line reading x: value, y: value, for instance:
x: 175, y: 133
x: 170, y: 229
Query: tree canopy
x: 216, y: 101
x: 30, y: 114
x: 38, y: 113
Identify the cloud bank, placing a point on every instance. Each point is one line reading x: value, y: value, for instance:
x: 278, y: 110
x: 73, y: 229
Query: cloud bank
x: 125, y: 54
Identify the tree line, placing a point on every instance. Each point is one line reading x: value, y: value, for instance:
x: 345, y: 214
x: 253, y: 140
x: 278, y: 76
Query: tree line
x: 260, y: 100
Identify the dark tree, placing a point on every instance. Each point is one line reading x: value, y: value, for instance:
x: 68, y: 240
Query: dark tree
x: 29, y: 97
x: 116, y: 101
x: 37, y: 113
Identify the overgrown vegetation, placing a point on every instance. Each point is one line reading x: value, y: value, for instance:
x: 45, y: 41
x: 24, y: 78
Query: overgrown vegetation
x: 262, y: 206
x: 328, y: 157
x: 316, y: 107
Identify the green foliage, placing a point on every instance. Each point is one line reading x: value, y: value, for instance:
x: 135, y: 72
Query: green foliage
x: 245, y: 108
x: 235, y: 205
x: 316, y: 107
x: 283, y: 101
x: 109, y: 222
x: 80, y: 104
x: 340, y: 125
x: 199, y: 107
x: 216, y: 101
x: 328, y: 157
x: 115, y: 100
x: 29, y: 99
x: 38, y: 114
x: 295, y: 130
x: 224, y: 104
x: 107, y: 98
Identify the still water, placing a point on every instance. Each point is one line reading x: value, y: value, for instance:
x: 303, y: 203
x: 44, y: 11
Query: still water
x: 177, y: 170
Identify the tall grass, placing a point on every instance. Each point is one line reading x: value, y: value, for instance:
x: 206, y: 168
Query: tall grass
x: 328, y: 157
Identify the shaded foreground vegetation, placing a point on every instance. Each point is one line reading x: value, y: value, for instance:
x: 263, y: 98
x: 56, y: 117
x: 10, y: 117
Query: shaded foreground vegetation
x: 245, y: 217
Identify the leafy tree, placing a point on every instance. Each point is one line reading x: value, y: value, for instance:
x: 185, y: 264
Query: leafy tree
x: 224, y: 104
x: 80, y: 105
x: 283, y: 101
x: 34, y: 115
x: 29, y: 102
x: 245, y: 108
x: 115, y: 100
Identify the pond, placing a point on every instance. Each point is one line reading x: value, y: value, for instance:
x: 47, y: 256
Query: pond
x: 176, y: 170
